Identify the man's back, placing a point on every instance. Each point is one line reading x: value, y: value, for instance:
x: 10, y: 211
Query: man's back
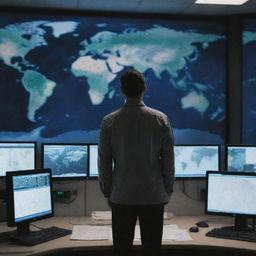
x: 139, y: 136
x: 139, y: 141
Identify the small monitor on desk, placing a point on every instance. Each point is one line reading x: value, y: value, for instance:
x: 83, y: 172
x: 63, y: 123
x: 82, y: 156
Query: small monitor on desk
x: 17, y: 156
x: 28, y: 197
x: 192, y: 161
x: 241, y: 158
x: 67, y: 161
x: 232, y: 193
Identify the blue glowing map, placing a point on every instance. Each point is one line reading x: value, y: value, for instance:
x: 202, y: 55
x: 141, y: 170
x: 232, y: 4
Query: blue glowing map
x: 59, y: 75
x: 249, y: 82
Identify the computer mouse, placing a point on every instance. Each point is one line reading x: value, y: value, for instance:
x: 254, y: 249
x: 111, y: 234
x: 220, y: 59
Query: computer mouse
x: 194, y: 229
x: 202, y: 224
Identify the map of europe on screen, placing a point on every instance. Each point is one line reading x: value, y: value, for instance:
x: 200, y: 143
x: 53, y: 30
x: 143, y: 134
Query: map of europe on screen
x: 249, y: 82
x: 59, y: 75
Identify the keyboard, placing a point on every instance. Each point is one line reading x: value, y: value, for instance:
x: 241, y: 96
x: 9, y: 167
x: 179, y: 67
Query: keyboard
x: 38, y: 237
x: 248, y: 236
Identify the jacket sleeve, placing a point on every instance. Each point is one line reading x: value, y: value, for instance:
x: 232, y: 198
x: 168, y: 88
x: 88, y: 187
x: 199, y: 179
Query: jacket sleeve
x: 167, y: 157
x: 105, y: 159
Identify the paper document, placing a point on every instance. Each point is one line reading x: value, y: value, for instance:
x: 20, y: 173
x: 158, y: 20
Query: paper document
x: 91, y: 232
x: 170, y: 233
x: 166, y: 229
x: 101, y: 215
x: 177, y: 235
x: 168, y: 215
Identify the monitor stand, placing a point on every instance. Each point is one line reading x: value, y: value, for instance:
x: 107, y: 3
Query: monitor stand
x: 23, y: 228
x: 241, y: 224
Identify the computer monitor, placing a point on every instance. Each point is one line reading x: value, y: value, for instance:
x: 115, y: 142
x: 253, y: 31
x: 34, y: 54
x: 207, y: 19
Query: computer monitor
x: 29, y: 197
x: 66, y: 160
x: 192, y: 161
x: 241, y: 158
x: 93, y: 160
x: 232, y: 193
x: 17, y: 156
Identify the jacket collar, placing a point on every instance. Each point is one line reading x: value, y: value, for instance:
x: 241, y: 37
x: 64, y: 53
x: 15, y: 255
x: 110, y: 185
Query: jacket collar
x: 134, y: 102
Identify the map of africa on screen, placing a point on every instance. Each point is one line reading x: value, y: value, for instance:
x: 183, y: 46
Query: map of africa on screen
x: 59, y: 75
x: 249, y: 81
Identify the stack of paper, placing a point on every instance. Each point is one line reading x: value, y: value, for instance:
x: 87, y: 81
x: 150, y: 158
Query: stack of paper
x: 101, y: 215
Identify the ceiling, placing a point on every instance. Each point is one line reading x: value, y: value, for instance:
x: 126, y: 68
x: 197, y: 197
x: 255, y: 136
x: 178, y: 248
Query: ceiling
x: 184, y: 7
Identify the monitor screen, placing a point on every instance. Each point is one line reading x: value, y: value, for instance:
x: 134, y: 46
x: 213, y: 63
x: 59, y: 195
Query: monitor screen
x: 29, y: 195
x: 231, y: 193
x: 93, y: 161
x: 192, y: 161
x: 241, y: 158
x: 62, y: 93
x: 66, y: 160
x: 17, y: 156
x: 249, y: 80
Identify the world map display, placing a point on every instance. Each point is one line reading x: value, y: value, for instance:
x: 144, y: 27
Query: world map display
x: 59, y: 75
x: 16, y: 156
x: 66, y: 160
x: 249, y: 81
x: 194, y: 161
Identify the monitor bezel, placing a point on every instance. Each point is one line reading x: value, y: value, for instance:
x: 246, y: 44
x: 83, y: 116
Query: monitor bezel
x: 23, y: 142
x: 226, y: 213
x: 199, y: 177
x: 235, y: 146
x: 54, y: 178
x: 89, y: 163
x: 10, y: 198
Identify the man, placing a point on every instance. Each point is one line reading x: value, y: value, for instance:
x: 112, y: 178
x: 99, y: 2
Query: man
x: 136, y: 167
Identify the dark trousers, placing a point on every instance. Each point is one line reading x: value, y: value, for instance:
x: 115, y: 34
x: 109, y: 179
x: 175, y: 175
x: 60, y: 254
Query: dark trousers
x: 124, y: 219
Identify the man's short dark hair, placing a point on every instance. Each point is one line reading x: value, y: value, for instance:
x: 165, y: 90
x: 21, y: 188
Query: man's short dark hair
x: 132, y: 83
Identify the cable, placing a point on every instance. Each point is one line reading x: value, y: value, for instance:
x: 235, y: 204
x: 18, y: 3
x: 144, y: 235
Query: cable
x: 73, y: 197
x: 72, y: 200
x: 184, y: 192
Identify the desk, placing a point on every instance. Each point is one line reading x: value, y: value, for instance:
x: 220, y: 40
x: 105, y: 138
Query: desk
x: 64, y: 244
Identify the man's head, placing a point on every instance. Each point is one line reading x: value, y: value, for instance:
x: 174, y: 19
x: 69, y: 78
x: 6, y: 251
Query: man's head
x: 132, y: 84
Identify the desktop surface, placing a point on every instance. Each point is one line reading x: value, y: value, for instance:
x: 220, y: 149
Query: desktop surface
x: 183, y: 222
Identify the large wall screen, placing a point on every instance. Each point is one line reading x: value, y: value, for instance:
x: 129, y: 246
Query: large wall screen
x: 249, y: 81
x: 59, y: 74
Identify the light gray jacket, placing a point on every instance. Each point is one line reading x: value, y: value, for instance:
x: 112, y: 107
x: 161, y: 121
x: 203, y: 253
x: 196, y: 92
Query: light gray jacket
x: 136, y: 159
